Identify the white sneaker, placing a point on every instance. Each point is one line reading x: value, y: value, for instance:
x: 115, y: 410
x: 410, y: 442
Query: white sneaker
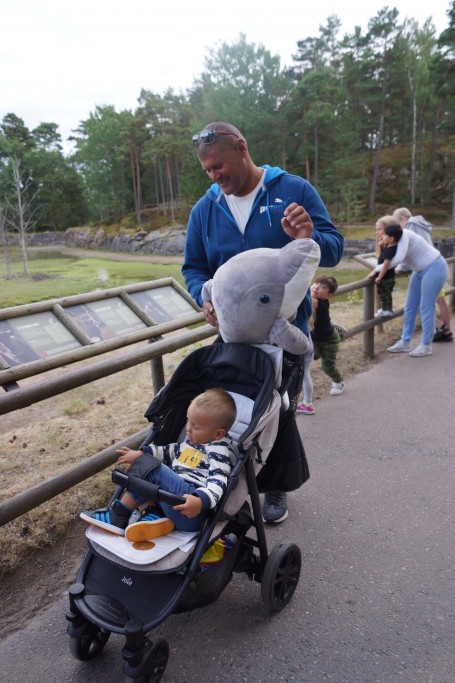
x: 383, y: 314
x: 337, y: 388
x: 422, y: 350
x: 400, y: 347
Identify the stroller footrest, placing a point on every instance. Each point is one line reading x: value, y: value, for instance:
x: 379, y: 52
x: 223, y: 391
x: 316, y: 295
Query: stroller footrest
x: 108, y: 609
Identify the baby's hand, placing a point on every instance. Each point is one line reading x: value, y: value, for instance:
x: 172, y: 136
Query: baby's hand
x: 191, y: 508
x: 128, y: 456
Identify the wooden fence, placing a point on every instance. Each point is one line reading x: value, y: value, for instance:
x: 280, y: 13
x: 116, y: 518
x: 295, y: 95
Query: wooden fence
x: 21, y: 397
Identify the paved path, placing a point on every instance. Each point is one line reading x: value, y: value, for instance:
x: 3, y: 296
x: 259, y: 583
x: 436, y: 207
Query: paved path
x: 375, y: 602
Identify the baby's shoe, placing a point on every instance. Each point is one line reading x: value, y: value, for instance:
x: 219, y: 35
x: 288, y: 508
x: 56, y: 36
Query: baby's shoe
x: 151, y: 525
x: 113, y: 518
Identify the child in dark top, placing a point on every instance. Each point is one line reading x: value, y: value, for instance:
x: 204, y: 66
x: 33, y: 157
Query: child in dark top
x: 326, y: 339
x: 385, y: 279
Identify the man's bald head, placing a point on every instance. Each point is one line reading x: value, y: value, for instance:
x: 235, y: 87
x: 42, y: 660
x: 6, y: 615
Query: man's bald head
x: 225, y: 139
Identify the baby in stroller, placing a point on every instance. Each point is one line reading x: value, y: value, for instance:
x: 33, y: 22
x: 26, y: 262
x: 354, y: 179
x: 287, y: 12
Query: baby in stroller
x: 196, y: 469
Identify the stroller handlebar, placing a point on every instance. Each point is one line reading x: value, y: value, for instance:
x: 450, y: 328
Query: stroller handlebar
x: 146, y: 489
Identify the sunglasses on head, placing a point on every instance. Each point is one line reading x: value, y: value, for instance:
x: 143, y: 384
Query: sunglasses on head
x: 207, y: 137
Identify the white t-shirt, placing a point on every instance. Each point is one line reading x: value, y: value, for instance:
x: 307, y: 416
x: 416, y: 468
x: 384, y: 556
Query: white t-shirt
x: 414, y: 251
x: 241, y: 206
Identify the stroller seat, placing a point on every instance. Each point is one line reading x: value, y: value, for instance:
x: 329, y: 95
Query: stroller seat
x: 172, y: 551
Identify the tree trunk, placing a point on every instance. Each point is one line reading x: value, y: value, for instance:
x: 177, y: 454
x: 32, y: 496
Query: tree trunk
x: 138, y: 188
x: 377, y: 162
x: 414, y: 140
x: 307, y: 159
x: 169, y: 181
x: 163, y: 193
x: 4, y: 245
x: 21, y: 216
x: 135, y: 172
x: 453, y: 204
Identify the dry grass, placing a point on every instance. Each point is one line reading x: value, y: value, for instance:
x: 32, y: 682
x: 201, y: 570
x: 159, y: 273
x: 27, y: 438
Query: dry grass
x: 40, y: 441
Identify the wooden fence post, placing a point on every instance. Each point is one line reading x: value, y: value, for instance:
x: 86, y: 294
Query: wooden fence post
x: 368, y: 313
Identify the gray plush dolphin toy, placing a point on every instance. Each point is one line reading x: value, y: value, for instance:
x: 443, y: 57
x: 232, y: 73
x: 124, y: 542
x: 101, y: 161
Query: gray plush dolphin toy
x: 257, y: 292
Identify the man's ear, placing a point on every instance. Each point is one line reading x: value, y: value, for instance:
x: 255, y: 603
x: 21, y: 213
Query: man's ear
x: 241, y: 145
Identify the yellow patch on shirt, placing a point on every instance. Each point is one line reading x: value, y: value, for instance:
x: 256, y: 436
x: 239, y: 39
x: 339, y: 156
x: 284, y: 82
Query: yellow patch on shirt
x: 190, y: 457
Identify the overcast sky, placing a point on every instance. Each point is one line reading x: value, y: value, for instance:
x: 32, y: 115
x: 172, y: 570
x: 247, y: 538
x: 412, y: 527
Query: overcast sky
x: 59, y: 59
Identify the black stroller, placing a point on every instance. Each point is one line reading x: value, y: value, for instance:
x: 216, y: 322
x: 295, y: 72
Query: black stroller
x: 114, y: 595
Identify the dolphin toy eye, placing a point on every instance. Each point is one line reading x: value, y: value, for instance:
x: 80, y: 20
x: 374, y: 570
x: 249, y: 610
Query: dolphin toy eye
x: 264, y: 299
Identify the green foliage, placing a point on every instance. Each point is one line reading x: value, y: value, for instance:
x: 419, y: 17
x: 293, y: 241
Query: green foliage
x: 50, y: 188
x: 367, y: 117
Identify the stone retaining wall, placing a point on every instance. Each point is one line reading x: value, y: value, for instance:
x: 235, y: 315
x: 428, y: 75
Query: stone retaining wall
x: 168, y: 242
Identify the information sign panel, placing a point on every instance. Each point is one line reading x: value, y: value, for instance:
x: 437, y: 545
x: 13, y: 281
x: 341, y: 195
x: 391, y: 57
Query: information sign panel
x: 369, y: 260
x: 163, y: 304
x: 35, y: 336
x: 105, y: 319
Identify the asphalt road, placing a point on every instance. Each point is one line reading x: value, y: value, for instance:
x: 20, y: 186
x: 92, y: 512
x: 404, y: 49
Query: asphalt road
x: 375, y: 602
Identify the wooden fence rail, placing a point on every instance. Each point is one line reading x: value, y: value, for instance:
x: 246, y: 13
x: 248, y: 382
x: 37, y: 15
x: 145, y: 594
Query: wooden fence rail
x: 19, y: 398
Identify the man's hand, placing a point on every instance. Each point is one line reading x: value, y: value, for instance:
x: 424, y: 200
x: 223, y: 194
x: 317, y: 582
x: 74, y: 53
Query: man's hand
x: 191, y: 508
x: 297, y: 222
x: 209, y: 313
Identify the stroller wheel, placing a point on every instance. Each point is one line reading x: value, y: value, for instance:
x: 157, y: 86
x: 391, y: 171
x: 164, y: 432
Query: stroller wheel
x: 281, y: 575
x: 89, y: 642
x: 151, y: 667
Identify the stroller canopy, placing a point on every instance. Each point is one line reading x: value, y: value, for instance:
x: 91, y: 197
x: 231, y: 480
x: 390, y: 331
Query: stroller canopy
x: 243, y: 369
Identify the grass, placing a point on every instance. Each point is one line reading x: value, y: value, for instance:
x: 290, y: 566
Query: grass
x: 65, y: 275
x: 76, y: 407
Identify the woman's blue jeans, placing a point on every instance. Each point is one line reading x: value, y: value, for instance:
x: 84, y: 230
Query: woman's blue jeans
x: 171, y: 482
x: 423, y: 291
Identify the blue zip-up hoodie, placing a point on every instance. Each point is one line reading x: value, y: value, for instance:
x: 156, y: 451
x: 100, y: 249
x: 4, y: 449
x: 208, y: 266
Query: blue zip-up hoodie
x: 213, y: 236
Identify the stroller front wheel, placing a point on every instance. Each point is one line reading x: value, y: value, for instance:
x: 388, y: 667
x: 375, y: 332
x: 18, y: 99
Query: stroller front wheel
x: 281, y: 575
x: 89, y: 642
x: 151, y: 662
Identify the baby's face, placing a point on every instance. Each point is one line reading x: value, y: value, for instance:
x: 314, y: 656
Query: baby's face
x: 201, y: 428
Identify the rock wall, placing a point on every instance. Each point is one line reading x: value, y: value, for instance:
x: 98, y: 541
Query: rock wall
x: 168, y: 242
x: 38, y: 239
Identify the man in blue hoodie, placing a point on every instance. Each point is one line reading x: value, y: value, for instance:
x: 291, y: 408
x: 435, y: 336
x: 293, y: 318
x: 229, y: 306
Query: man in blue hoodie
x: 247, y: 207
